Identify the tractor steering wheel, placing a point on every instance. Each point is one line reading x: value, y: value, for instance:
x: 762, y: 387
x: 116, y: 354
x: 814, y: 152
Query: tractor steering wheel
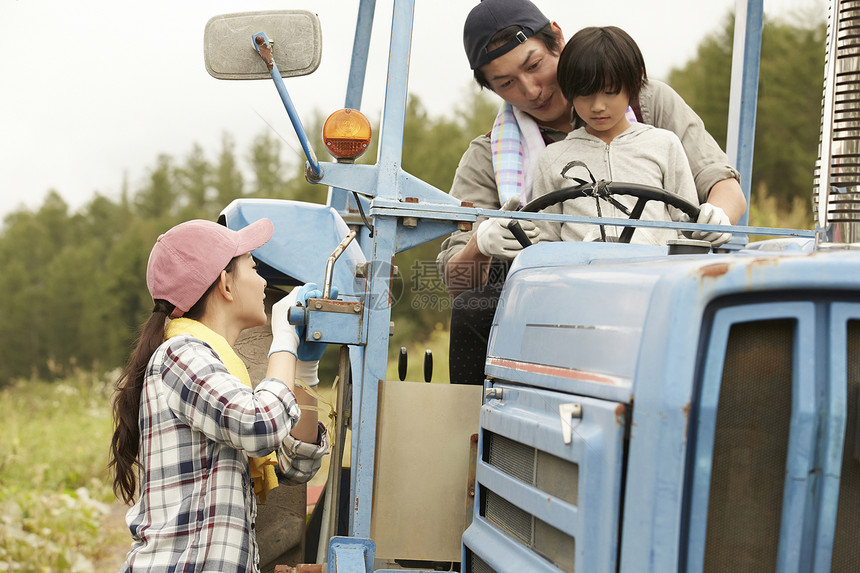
x: 605, y: 189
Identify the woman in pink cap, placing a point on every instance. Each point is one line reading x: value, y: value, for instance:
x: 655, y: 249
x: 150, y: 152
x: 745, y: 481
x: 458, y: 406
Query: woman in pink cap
x: 194, y: 443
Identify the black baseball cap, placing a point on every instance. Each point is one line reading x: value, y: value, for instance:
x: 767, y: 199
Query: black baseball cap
x: 491, y: 16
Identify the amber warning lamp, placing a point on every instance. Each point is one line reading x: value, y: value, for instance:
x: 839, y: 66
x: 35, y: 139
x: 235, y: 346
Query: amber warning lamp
x: 346, y: 134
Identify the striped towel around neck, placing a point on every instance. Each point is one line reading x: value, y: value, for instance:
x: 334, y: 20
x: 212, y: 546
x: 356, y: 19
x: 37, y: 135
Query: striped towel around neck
x: 516, y: 142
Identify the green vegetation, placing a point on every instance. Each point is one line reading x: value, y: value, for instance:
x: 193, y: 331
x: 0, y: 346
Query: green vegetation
x: 55, y: 492
x: 788, y: 115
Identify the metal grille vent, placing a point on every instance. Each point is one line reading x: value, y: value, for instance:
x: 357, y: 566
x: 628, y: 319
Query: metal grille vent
x: 846, y: 548
x: 514, y: 458
x: 509, y: 518
x: 547, y: 541
x: 551, y: 474
x: 750, y: 448
x: 477, y: 565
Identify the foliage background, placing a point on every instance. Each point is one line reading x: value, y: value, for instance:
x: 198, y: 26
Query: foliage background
x: 72, y: 289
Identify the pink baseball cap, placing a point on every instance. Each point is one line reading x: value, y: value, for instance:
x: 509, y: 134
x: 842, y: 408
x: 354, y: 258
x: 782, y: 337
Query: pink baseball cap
x: 187, y: 259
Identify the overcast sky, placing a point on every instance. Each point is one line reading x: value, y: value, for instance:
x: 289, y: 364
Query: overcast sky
x: 91, y: 90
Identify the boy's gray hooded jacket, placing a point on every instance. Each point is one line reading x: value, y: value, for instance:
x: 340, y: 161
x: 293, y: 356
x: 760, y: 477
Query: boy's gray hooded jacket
x: 642, y: 154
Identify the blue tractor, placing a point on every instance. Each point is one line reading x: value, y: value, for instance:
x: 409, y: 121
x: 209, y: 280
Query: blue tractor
x: 645, y: 410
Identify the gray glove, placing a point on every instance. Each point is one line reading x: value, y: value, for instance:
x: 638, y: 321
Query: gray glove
x: 712, y: 215
x: 496, y: 240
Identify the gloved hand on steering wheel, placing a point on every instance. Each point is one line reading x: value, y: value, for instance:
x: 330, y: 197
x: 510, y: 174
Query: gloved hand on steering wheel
x: 711, y: 215
x: 496, y: 240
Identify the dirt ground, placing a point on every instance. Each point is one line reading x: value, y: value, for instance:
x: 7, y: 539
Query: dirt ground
x: 115, y: 541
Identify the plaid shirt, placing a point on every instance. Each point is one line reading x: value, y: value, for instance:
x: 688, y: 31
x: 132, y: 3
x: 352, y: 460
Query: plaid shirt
x: 198, y: 426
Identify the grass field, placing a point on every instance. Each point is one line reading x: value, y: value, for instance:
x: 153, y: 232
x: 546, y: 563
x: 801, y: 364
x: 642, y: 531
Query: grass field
x: 54, y: 489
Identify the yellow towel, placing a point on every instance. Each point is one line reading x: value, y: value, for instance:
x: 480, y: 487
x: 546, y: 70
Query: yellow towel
x: 262, y: 469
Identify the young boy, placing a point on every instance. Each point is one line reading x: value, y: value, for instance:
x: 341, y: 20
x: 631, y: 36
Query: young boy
x: 601, y: 71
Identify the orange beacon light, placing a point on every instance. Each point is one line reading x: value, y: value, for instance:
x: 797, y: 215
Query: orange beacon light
x: 346, y: 134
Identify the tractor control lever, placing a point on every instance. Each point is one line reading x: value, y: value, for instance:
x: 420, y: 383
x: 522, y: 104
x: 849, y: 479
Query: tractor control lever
x: 519, y: 234
x: 329, y: 265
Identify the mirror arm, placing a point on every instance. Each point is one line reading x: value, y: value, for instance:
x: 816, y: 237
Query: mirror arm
x: 264, y: 49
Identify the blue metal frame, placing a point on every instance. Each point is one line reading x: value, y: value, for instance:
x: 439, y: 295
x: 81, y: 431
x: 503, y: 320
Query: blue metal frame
x: 746, y: 58
x: 373, y: 360
x: 351, y: 554
x: 340, y: 198
x: 817, y: 429
x: 288, y: 104
x: 798, y: 486
x: 834, y: 413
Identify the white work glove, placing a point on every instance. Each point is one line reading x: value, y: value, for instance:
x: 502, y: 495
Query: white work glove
x: 712, y: 215
x: 308, y: 372
x: 284, y: 335
x: 496, y: 240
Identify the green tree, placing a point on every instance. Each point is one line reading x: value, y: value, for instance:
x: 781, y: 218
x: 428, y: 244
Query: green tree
x: 432, y: 148
x: 789, y: 104
x: 193, y: 180
x: 297, y: 188
x: 30, y: 243
x: 18, y: 337
x: 267, y: 165
x: 159, y: 197
x: 102, y: 335
x: 229, y: 183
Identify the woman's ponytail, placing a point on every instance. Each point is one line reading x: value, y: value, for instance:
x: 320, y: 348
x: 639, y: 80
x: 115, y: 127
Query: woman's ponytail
x: 125, y: 443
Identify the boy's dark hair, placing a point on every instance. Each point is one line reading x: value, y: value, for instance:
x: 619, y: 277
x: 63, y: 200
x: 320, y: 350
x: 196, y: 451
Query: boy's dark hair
x: 601, y: 58
x: 546, y: 35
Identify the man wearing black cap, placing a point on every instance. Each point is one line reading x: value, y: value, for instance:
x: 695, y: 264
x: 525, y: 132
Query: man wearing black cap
x: 513, y: 50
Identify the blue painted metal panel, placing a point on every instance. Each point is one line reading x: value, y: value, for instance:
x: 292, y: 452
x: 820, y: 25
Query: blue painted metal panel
x: 351, y: 555
x: 426, y: 230
x: 561, y: 336
x: 531, y: 416
x: 334, y: 327
x: 305, y: 236
x: 661, y: 410
x: 676, y: 293
x: 833, y: 417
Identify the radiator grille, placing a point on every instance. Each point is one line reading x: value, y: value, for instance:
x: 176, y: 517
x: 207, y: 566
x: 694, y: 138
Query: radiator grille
x: 509, y: 518
x: 514, y: 458
x: 550, y: 474
x: 846, y: 548
x: 547, y: 541
x: 750, y: 447
x: 477, y: 565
